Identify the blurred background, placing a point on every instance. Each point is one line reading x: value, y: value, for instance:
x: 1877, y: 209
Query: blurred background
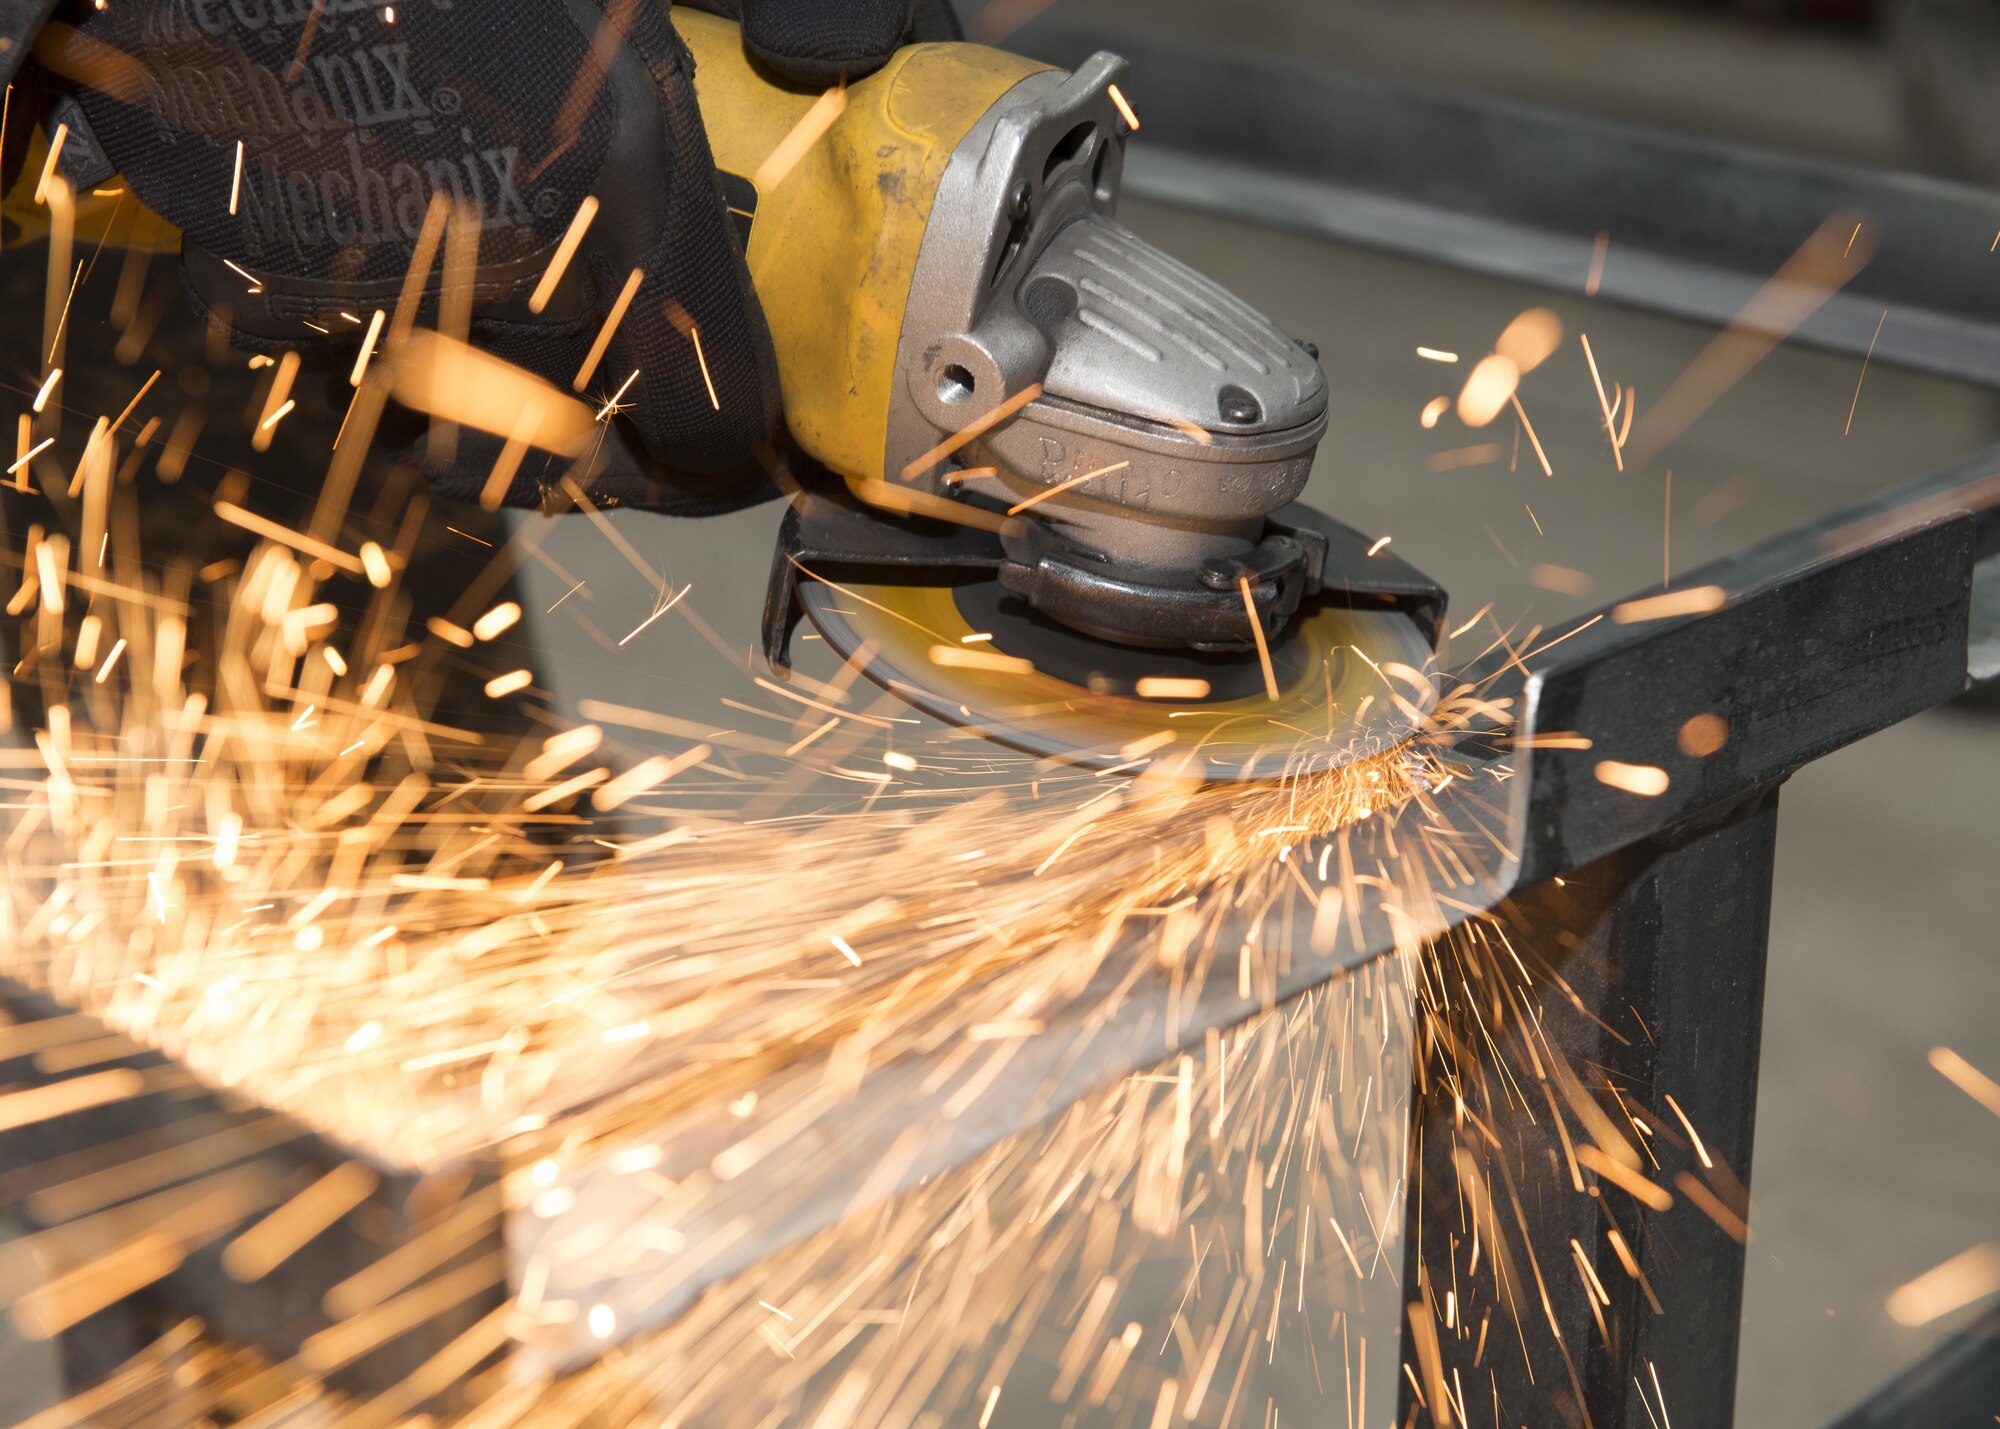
x: 1902, y: 83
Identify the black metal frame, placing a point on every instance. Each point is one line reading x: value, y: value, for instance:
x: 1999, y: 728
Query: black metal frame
x: 1830, y: 633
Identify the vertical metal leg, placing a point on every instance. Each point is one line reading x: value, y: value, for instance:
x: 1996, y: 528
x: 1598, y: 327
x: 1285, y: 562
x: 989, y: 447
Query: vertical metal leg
x: 1547, y: 1283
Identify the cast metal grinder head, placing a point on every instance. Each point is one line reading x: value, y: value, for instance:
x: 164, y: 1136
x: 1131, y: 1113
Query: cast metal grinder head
x: 1112, y: 442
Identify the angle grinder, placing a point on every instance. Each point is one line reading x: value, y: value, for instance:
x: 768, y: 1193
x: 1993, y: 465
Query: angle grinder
x: 1071, y: 463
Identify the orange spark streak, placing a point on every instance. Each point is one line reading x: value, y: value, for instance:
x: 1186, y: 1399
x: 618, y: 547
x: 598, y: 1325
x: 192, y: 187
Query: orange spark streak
x: 1646, y: 780
x: 565, y: 250
x: 1601, y: 245
x: 1603, y: 402
x: 136, y: 399
x: 1488, y: 388
x: 812, y: 125
x: 965, y: 657
x: 647, y: 774
x: 1693, y: 1135
x: 29, y: 455
x: 1478, y: 455
x: 33, y: 1104
x: 500, y: 618
x: 1967, y: 1078
x: 694, y: 336
x: 1257, y: 634
x: 49, y: 164
x: 1561, y: 579
x: 1822, y: 266
x: 1711, y: 1206
x: 1060, y: 487
x: 671, y: 603
x: 1535, y: 441
x: 1864, y: 373
x: 1170, y: 687
x: 1694, y: 600
x: 285, y: 536
x: 268, y: 1244
x: 1626, y: 1179
x: 607, y: 331
x: 1124, y: 108
x: 1970, y: 1275
x: 367, y: 348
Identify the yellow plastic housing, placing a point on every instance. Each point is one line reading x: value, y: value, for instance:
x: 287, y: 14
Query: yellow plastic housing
x: 834, y: 242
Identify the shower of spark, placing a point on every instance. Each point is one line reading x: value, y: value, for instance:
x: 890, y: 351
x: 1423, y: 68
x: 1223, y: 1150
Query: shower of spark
x: 259, y: 821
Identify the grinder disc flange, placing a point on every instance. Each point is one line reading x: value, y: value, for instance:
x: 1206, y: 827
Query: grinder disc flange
x: 1036, y: 686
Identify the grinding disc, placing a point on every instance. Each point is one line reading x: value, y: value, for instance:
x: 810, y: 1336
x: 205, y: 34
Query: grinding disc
x: 970, y: 655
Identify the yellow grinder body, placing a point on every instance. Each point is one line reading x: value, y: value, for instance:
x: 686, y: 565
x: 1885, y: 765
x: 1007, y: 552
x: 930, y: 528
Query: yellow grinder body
x: 834, y: 236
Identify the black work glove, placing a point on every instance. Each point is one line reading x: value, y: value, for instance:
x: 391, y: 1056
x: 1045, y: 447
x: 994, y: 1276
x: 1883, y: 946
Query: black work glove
x: 814, y: 42
x: 517, y: 110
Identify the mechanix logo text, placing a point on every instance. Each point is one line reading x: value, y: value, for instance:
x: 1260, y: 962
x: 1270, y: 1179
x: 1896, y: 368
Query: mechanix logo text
x: 360, y: 203
x: 234, y: 97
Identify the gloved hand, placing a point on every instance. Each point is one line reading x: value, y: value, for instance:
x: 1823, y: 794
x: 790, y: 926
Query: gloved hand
x: 817, y: 43
x: 349, y: 121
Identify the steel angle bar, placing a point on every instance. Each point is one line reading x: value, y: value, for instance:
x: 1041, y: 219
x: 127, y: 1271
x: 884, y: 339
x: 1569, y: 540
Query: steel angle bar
x: 1854, y: 623
x: 1824, y: 635
x: 1845, y: 641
